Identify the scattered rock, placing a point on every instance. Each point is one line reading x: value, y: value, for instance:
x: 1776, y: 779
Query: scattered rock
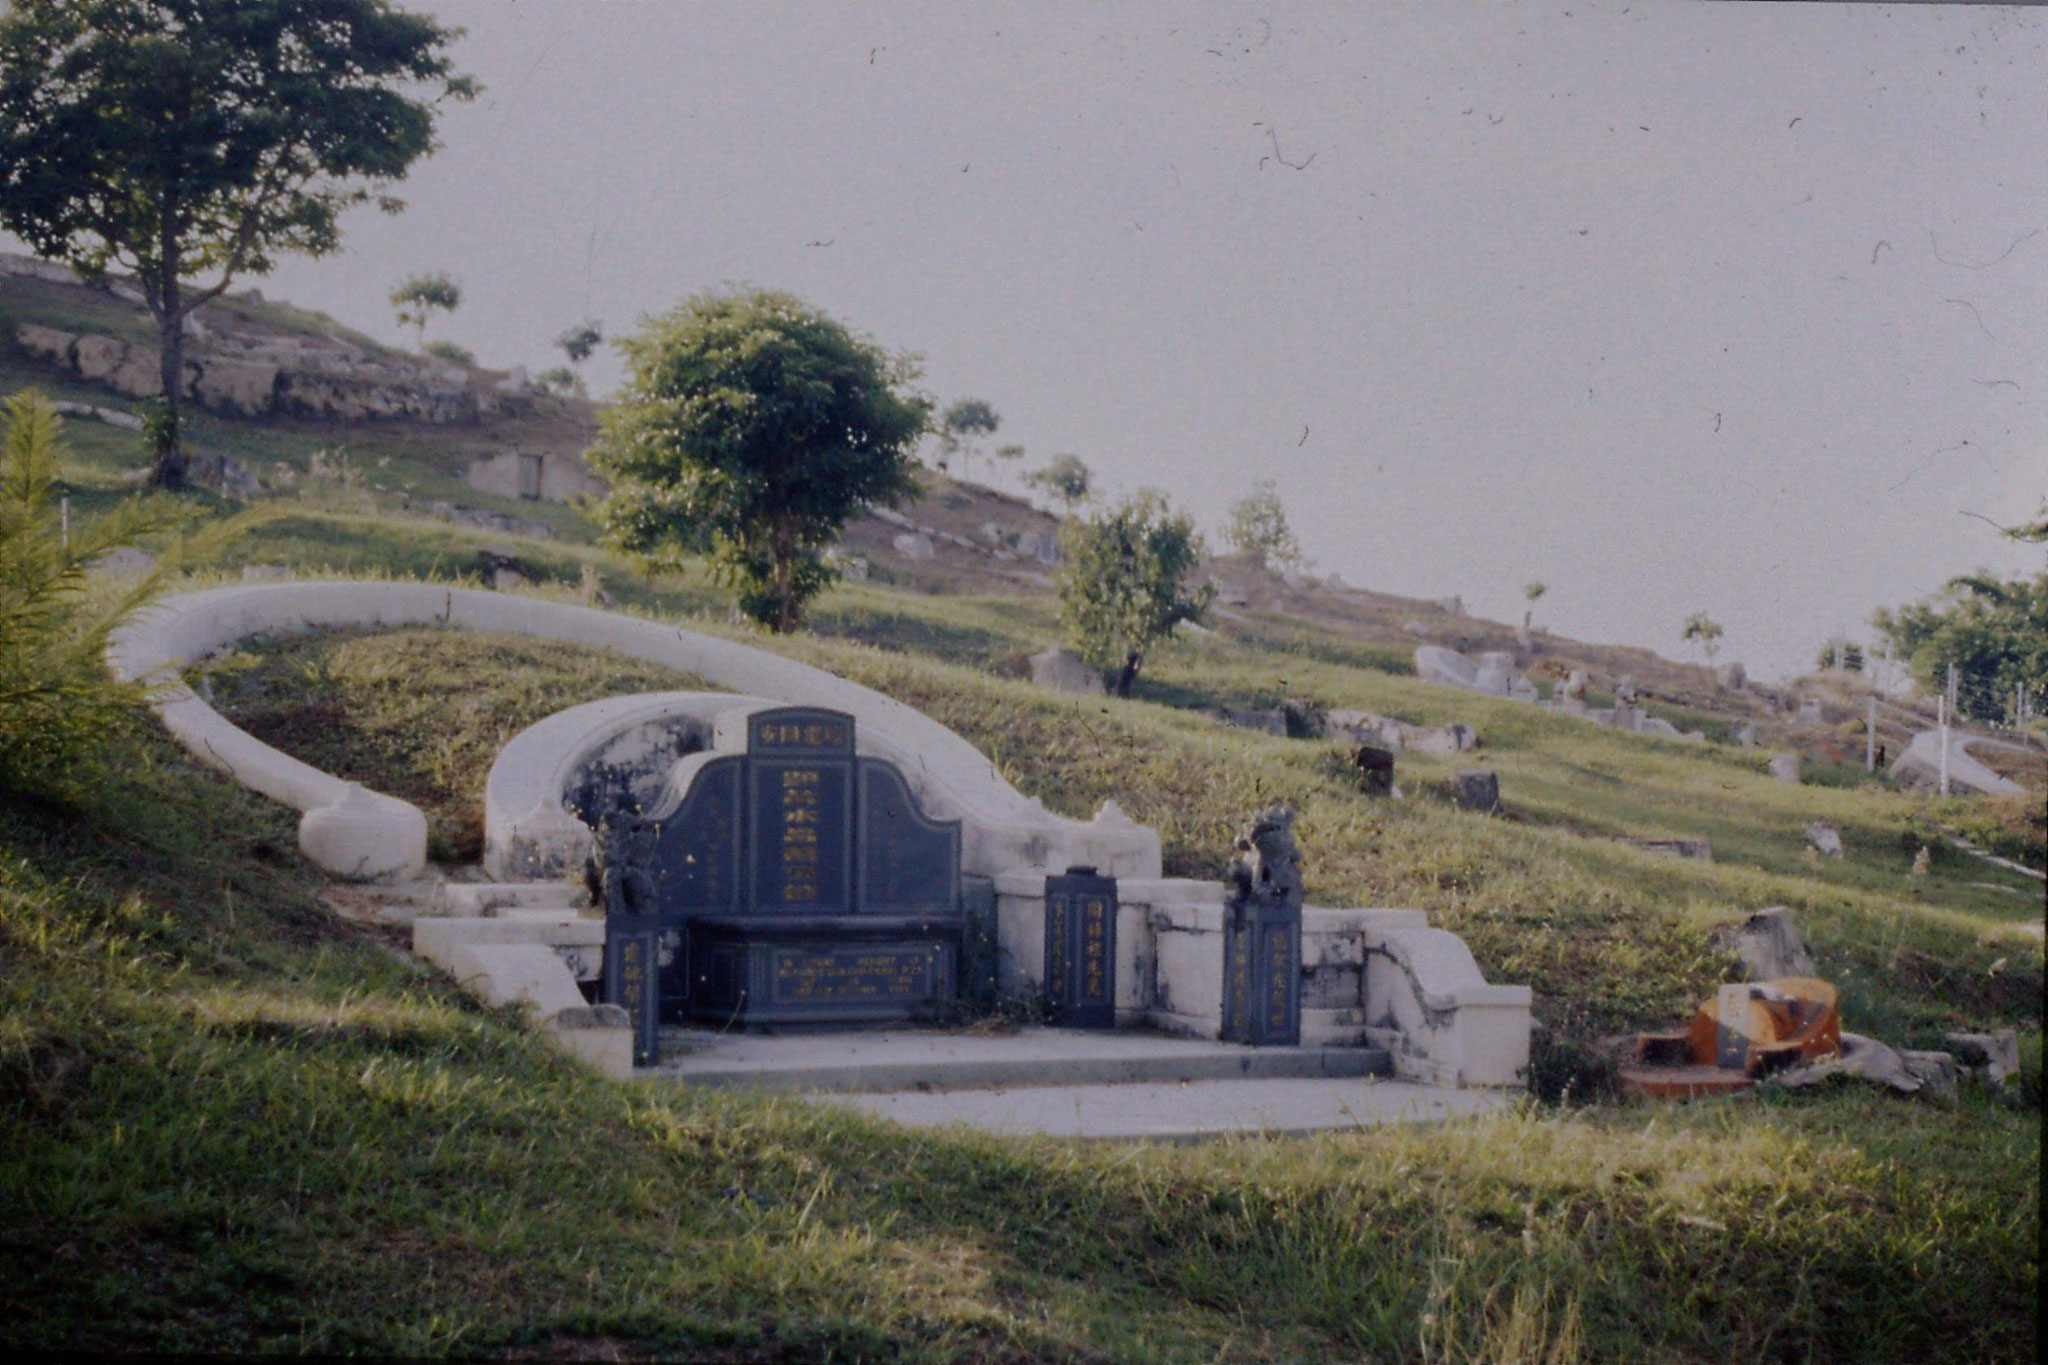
x: 503, y: 569
x: 113, y: 417
x: 1986, y: 1058
x: 1440, y: 739
x: 1936, y: 1072
x: 1476, y: 789
x: 914, y: 545
x: 1744, y: 735
x: 1272, y: 722
x: 1768, y: 944
x: 1434, y: 663
x: 1063, y: 671
x: 1863, y: 1058
x: 1785, y: 767
x: 1699, y: 850
x: 1824, y: 837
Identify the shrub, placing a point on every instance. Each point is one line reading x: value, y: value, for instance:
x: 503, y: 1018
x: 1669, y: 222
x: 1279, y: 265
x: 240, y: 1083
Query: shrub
x: 58, y: 706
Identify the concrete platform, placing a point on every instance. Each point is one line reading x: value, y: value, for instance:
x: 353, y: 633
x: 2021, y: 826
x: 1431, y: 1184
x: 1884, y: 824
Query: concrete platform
x: 927, y: 1060
x: 1180, y: 1111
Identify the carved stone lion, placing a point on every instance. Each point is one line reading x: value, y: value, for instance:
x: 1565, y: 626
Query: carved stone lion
x: 1267, y: 862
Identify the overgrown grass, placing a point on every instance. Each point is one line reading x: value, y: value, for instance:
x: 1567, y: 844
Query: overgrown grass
x: 234, y: 1123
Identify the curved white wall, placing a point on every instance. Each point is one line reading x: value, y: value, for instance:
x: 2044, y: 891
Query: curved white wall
x: 357, y: 833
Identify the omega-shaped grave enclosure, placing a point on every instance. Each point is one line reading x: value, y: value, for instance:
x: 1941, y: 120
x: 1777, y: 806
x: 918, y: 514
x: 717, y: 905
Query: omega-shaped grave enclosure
x: 798, y: 882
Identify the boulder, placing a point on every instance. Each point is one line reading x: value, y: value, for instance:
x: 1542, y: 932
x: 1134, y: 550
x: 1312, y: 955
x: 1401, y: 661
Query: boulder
x: 1476, y: 789
x: 98, y: 357
x: 1986, y: 1058
x: 1785, y: 767
x: 1440, y: 739
x: 1936, y: 1072
x: 1434, y: 663
x: 224, y: 474
x: 139, y: 375
x: 1654, y: 725
x: 46, y: 343
x: 913, y: 545
x: 236, y: 388
x: 1825, y: 838
x: 1744, y: 735
x: 1768, y: 944
x: 1063, y: 671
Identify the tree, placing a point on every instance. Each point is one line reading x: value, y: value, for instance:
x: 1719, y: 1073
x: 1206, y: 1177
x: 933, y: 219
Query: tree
x: 1066, y: 478
x: 1257, y: 526
x: 1125, y: 583
x: 190, y: 138
x: 1994, y: 631
x: 419, y: 297
x: 578, y: 343
x: 961, y: 429
x: 1703, y: 631
x: 751, y: 428
x: 1532, y: 592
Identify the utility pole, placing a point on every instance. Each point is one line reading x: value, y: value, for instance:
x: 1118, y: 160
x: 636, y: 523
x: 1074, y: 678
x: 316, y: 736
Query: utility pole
x: 1951, y: 690
x: 64, y: 518
x: 1870, y: 736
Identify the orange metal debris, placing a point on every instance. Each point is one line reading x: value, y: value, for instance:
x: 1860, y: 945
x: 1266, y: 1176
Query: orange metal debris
x: 1746, y: 1031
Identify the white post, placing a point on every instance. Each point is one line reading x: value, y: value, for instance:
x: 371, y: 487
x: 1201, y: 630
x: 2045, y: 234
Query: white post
x: 1870, y: 736
x: 1941, y: 709
x: 64, y: 518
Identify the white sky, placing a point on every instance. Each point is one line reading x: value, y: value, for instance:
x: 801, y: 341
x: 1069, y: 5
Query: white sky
x: 1714, y: 307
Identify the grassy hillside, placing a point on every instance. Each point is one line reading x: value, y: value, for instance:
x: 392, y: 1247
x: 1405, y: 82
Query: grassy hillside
x: 233, y: 1118
x: 235, y: 1121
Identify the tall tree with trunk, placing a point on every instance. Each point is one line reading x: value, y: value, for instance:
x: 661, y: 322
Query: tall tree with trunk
x: 192, y: 141
x: 752, y: 428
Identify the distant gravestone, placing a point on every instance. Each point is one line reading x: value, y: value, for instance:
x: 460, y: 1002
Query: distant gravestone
x: 1375, y: 769
x: 1476, y: 789
x: 1785, y: 767
x: 1434, y: 663
x: 1768, y: 944
x: 1824, y: 838
x: 1495, y: 674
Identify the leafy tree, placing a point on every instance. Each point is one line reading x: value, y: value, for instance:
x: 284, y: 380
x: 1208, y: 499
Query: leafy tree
x: 1125, y: 583
x: 1995, y: 632
x: 1703, y: 631
x: 561, y: 379
x: 448, y: 350
x: 962, y: 428
x: 1066, y: 478
x: 186, y: 138
x: 1532, y: 592
x: 57, y: 703
x: 1257, y: 526
x: 752, y: 427
x: 580, y: 342
x: 419, y: 297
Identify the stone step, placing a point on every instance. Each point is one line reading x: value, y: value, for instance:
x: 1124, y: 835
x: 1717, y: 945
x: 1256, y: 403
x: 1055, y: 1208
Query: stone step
x: 935, y: 1060
x: 580, y: 942
x: 548, y: 913
x: 1179, y: 1111
x: 480, y: 898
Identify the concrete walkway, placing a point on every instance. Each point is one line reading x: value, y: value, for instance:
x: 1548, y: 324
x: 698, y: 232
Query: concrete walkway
x: 1069, y: 1083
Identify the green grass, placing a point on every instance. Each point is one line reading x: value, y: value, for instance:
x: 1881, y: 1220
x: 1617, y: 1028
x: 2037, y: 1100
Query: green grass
x: 235, y: 1123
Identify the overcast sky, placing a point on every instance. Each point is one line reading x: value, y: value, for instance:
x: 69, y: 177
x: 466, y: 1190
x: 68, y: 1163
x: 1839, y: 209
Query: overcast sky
x: 1719, y: 307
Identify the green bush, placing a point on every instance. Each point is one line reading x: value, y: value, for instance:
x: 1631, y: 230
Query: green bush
x: 58, y: 706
